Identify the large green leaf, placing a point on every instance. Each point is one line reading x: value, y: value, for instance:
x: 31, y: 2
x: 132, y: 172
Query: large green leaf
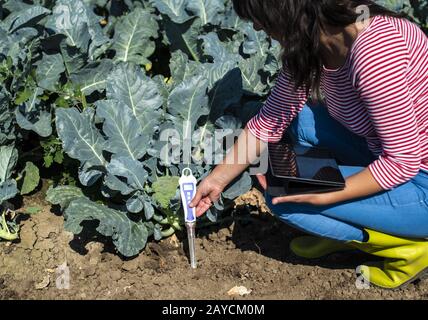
x: 129, y: 85
x: 187, y: 103
x: 231, y: 20
x: 7, y: 123
x: 256, y: 42
x: 184, y: 37
x: 31, y: 178
x: 8, y: 190
x: 207, y: 10
x: 181, y: 67
x: 217, y: 71
x: 74, y: 58
x: 78, y: 22
x: 80, y: 139
x: 131, y: 170
x: 93, y: 77
x: 251, y: 67
x: 27, y: 16
x: 32, y: 115
x: 68, y: 18
x: 128, y: 236
x: 125, y: 137
x: 63, y: 195
x: 8, y: 159
x: 252, y: 80
x: 39, y: 122
x: 214, y: 48
x: 15, y: 5
x: 133, y: 37
x: 49, y: 70
x: 19, y: 44
x: 174, y: 9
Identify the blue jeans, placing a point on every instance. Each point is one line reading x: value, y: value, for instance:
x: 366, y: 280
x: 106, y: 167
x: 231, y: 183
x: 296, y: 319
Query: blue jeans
x: 402, y: 211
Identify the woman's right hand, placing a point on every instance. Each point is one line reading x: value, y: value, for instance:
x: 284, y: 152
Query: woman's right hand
x: 208, y: 192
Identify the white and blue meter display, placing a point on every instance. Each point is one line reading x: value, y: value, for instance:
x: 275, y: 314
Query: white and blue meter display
x: 188, y: 190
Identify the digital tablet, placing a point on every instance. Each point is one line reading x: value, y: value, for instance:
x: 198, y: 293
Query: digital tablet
x: 295, y: 169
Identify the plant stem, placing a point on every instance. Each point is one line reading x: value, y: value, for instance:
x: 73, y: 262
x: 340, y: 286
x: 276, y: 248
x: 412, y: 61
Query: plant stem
x: 168, y: 233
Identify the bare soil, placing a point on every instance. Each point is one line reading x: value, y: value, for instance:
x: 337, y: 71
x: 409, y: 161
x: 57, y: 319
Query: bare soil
x: 250, y: 251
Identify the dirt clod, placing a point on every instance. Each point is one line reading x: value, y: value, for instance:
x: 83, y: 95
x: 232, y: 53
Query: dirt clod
x: 116, y: 275
x: 131, y: 265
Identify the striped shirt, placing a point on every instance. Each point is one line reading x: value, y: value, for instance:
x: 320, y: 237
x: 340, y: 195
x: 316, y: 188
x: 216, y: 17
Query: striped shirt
x: 380, y: 93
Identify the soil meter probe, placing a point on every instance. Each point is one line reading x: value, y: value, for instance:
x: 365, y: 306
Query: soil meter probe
x: 188, y: 191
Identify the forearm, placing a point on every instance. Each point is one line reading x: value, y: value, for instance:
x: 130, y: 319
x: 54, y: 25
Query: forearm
x: 359, y: 185
x: 246, y: 150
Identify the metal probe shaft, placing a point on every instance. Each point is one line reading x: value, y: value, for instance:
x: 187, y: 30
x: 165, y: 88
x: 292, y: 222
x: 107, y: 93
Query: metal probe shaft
x: 191, y: 234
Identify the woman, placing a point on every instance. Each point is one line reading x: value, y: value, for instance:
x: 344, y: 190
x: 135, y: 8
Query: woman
x: 373, y: 74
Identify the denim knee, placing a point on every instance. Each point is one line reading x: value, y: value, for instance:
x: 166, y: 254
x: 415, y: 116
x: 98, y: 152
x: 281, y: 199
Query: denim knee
x: 301, y: 217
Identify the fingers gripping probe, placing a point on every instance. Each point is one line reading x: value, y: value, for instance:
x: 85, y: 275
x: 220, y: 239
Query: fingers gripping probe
x: 188, y: 191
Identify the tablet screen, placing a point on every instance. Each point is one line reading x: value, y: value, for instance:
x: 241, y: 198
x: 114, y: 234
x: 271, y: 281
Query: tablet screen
x: 315, y: 164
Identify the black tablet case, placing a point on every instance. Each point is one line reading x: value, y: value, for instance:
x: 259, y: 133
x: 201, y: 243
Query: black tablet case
x: 295, y: 169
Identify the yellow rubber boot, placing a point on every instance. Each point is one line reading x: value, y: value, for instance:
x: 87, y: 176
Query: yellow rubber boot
x: 313, y: 247
x: 406, y: 260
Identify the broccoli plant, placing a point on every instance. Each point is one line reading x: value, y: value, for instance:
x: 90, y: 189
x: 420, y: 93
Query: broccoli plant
x: 9, y: 229
x: 165, y: 196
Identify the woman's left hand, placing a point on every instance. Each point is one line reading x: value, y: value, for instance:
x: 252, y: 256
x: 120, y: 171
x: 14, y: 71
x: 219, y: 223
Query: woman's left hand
x: 322, y: 199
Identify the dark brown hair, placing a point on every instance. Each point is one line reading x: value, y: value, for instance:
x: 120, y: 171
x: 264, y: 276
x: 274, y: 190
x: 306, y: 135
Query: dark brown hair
x: 299, y: 24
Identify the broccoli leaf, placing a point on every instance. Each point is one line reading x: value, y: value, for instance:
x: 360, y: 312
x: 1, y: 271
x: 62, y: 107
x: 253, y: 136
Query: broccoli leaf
x: 32, y: 116
x: 131, y: 170
x: 132, y: 41
x: 128, y: 236
x: 125, y: 137
x: 63, y: 195
x: 49, y: 70
x: 8, y: 190
x: 187, y: 103
x: 174, y: 9
x: 24, y: 16
x: 81, y: 140
x: 93, y: 77
x: 8, y: 159
x: 31, y: 178
x: 128, y: 84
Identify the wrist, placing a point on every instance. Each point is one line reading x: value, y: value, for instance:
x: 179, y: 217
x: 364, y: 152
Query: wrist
x: 219, y: 179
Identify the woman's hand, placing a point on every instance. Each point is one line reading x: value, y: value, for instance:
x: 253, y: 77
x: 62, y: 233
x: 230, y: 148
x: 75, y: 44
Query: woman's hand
x: 208, y: 192
x: 313, y: 199
x: 322, y: 199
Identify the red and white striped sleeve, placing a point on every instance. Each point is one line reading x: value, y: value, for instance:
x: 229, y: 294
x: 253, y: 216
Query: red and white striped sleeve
x: 281, y: 107
x: 379, y: 75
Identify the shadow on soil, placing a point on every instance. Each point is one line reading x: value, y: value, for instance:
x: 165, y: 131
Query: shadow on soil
x: 268, y: 236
